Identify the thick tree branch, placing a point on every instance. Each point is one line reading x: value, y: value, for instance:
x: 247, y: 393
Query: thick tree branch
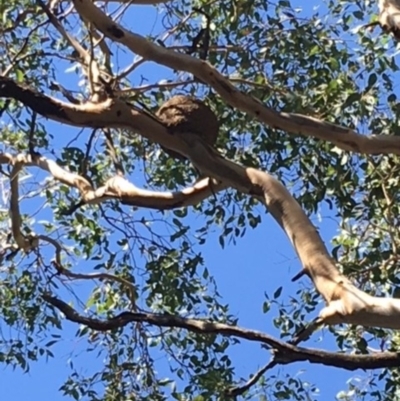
x: 115, y: 188
x: 342, y: 137
x: 345, y: 303
x: 112, y: 113
x: 287, y: 353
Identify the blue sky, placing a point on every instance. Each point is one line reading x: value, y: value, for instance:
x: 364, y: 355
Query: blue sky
x: 242, y: 278
x: 243, y: 274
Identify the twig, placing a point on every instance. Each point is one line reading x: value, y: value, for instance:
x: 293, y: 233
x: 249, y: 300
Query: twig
x: 239, y: 390
x: 113, y: 153
x: 31, y: 145
x: 88, y: 276
x: 277, y: 358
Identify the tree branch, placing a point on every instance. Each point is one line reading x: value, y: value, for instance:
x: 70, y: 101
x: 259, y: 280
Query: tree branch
x: 115, y: 188
x: 342, y: 137
x: 86, y: 58
x: 25, y: 243
x: 345, y: 303
x: 240, y: 389
x: 287, y: 353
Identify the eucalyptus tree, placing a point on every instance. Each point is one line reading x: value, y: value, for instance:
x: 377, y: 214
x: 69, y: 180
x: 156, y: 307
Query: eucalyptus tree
x: 132, y: 130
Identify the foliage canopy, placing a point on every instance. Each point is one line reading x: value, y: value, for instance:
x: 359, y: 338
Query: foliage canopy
x: 79, y: 139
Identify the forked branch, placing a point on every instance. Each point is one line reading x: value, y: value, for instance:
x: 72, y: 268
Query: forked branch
x: 342, y: 137
x: 117, y: 187
x: 345, y: 303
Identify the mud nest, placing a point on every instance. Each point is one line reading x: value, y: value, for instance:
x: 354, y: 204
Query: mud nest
x: 187, y: 114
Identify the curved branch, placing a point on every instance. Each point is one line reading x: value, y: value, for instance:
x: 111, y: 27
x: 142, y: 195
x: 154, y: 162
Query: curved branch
x: 111, y: 113
x: 87, y: 276
x: 240, y: 389
x: 115, y: 188
x: 25, y: 243
x: 345, y: 303
x: 287, y: 353
x: 342, y: 137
